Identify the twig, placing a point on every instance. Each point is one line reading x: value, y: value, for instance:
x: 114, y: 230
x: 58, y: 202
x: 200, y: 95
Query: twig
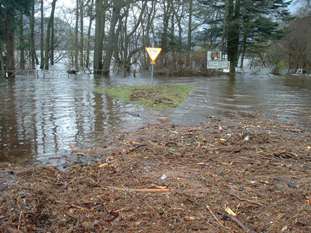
x: 240, y: 224
x: 19, y: 220
x: 78, y: 207
x: 214, y: 216
x: 247, y: 200
x: 143, y: 190
x: 11, y: 230
x: 136, y: 147
x: 72, y: 205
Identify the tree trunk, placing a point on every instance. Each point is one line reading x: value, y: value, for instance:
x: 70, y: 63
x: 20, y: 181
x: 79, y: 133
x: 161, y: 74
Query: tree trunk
x: 244, y: 45
x: 33, y: 56
x: 224, y: 37
x: 42, y: 36
x: 233, y: 33
x: 128, y: 46
x: 52, y: 40
x: 190, y: 32
x: 166, y: 18
x: 81, y: 35
x: 21, y: 43
x: 10, y: 44
x: 77, y: 37
x: 48, y: 36
x: 112, y: 38
x: 87, y: 62
x: 2, y: 70
x: 99, y: 36
x: 180, y: 31
x: 146, y: 32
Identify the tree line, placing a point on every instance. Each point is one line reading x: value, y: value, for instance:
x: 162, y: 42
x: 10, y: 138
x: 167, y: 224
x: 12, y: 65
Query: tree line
x: 109, y: 35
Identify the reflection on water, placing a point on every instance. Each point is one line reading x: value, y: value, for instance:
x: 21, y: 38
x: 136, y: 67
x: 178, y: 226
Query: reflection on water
x: 41, y: 117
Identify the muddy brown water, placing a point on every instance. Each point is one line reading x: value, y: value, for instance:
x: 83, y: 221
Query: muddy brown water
x: 42, y: 117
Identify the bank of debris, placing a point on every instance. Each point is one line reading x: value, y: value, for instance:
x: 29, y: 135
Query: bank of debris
x: 251, y: 176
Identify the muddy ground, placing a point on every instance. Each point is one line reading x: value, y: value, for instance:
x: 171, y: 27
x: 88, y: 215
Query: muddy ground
x: 248, y: 176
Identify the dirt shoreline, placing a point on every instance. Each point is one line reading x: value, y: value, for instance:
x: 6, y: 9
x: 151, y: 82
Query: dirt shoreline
x: 166, y: 178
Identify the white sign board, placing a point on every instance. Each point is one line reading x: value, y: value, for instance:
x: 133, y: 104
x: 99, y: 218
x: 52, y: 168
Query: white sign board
x: 216, y: 61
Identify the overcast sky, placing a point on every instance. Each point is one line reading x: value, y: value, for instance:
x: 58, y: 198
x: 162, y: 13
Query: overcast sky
x: 67, y: 3
x: 70, y: 4
x: 61, y: 4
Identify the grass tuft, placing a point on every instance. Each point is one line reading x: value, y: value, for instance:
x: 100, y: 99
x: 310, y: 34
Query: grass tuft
x: 158, y: 97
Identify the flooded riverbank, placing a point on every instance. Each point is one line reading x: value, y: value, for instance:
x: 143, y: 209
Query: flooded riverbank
x: 43, y: 117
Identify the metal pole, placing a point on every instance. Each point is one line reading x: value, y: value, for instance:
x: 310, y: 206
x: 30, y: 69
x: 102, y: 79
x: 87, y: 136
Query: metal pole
x: 152, y: 71
x: 153, y: 62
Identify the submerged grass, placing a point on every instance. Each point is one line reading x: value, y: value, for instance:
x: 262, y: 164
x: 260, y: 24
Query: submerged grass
x: 152, y: 96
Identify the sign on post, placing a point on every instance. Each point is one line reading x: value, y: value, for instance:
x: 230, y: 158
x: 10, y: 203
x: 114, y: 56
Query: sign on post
x: 153, y: 55
x: 216, y: 60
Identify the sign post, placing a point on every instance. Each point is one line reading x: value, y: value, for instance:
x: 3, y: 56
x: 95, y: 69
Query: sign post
x: 153, y: 55
x: 152, y: 71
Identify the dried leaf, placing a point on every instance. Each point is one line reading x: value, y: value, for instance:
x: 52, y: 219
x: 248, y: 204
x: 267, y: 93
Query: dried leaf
x: 230, y: 212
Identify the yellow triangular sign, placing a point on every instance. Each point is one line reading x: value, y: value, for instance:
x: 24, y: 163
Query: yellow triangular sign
x: 153, y: 53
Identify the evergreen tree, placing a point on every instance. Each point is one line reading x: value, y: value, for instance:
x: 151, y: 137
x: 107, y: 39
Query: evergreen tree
x: 9, y: 9
x: 246, y: 24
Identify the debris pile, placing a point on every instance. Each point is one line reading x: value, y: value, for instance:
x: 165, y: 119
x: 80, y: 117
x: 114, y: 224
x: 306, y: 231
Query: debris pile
x: 154, y: 97
x: 251, y: 176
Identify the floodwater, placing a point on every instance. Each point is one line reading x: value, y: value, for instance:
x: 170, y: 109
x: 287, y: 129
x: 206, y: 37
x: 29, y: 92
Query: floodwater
x: 42, y: 117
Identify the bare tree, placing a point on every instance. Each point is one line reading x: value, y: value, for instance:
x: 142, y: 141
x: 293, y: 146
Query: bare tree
x: 100, y: 19
x: 129, y: 39
x: 48, y: 36
x: 76, y: 47
x: 190, y: 25
x: 81, y: 33
x: 21, y: 42
x: 9, y: 43
x: 297, y: 45
x: 42, y: 34
x: 113, y: 34
x: 33, y: 56
x: 91, y: 19
x: 52, y: 46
